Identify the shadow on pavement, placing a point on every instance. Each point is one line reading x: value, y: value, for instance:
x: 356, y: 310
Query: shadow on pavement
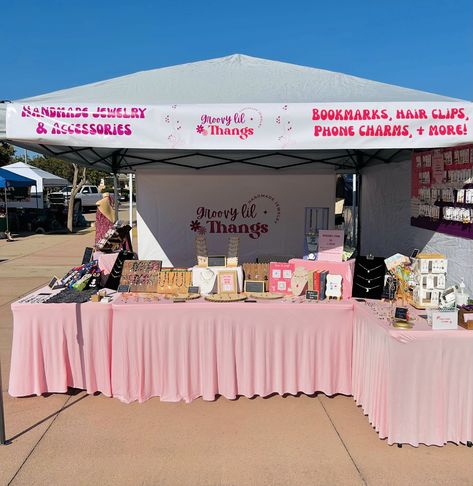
x: 71, y: 393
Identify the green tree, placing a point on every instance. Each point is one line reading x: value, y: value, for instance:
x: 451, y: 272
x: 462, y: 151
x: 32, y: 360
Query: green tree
x: 6, y: 154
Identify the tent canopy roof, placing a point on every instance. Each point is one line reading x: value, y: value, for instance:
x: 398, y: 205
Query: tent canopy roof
x: 27, y: 170
x: 232, y: 79
x: 235, y: 79
x: 10, y: 179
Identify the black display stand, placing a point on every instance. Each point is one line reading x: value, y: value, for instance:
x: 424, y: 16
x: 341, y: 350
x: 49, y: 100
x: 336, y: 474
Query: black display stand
x: 113, y: 279
x: 368, y: 278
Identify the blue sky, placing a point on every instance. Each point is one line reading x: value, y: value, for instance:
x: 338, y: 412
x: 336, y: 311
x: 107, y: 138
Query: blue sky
x: 50, y: 45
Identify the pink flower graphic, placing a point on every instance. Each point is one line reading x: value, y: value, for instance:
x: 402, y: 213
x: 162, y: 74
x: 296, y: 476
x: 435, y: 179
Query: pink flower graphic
x: 202, y: 230
x: 195, y: 225
x: 199, y: 129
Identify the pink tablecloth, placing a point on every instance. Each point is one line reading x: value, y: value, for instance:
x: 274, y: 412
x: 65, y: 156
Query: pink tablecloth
x: 56, y: 346
x: 184, y: 351
x: 345, y: 269
x: 416, y: 386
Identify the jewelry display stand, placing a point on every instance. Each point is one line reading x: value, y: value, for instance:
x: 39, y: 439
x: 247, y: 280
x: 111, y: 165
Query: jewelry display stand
x: 173, y: 281
x: 201, y: 251
x: 430, y: 271
x: 368, y: 279
x: 141, y: 275
x: 233, y: 251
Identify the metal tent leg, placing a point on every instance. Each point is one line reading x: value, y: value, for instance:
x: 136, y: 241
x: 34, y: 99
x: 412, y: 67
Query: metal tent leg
x: 3, y: 439
x: 115, y: 194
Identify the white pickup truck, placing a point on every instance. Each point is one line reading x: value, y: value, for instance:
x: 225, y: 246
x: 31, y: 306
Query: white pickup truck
x: 85, y: 199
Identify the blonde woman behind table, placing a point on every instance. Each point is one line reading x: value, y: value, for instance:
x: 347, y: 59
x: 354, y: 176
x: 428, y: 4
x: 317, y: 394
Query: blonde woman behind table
x: 105, y: 216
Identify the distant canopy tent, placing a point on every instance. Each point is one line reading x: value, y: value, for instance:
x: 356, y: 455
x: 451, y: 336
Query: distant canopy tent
x: 42, y: 178
x: 9, y: 179
x: 236, y: 113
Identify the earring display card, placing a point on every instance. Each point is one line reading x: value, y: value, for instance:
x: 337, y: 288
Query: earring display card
x: 280, y: 276
x: 368, y: 279
x: 141, y: 275
x: 299, y: 281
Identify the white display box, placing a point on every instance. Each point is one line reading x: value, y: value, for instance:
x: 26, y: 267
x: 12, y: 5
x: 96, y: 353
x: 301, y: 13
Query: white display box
x: 444, y: 319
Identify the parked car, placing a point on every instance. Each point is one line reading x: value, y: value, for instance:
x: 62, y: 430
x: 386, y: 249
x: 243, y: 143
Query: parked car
x: 85, y: 199
x: 124, y: 196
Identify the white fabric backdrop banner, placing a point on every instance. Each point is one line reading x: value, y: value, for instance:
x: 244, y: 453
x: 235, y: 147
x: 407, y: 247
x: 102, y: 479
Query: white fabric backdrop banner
x: 269, y: 126
x: 266, y: 211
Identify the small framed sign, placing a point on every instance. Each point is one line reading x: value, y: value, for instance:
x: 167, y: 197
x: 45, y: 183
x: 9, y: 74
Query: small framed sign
x: 331, y: 245
x: 87, y: 257
x: 193, y: 290
x: 123, y: 288
x: 227, y: 282
x: 401, y: 313
x: 258, y: 286
x: 312, y: 295
x: 217, y: 261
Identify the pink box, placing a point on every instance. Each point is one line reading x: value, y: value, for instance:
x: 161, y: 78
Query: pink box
x: 280, y: 275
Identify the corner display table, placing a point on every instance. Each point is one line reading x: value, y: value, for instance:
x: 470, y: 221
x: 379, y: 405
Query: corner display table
x: 415, y: 385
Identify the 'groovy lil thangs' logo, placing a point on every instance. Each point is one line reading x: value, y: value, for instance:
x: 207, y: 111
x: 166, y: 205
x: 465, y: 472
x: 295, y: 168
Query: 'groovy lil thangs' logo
x: 255, y: 218
x: 241, y: 124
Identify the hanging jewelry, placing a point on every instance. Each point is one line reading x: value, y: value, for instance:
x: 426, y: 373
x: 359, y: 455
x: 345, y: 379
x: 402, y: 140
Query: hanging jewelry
x: 369, y: 269
x: 371, y: 278
x: 367, y: 288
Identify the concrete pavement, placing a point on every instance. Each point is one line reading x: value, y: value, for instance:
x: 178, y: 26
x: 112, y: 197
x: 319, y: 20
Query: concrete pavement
x: 83, y: 440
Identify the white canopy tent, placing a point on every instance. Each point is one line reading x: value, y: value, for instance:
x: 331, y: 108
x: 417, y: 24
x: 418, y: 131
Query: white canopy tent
x: 43, y: 180
x: 235, y: 79
x: 172, y: 116
x: 190, y: 110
